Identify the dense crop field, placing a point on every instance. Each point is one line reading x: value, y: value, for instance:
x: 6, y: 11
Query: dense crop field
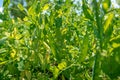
x: 59, y: 40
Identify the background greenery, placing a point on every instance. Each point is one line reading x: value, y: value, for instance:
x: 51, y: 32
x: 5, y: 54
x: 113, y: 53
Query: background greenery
x: 59, y: 40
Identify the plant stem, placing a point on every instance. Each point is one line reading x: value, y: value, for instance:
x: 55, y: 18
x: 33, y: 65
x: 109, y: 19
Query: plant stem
x: 96, y: 68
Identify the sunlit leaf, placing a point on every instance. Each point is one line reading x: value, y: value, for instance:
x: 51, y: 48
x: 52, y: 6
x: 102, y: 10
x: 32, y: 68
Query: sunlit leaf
x: 87, y: 12
x: 25, y: 19
x: 62, y: 65
x: 4, y: 62
x: 56, y: 71
x: 115, y: 45
x: 46, y: 45
x: 108, y: 21
x: 31, y: 11
x: 18, y: 36
x: 13, y: 53
x: 46, y: 6
x: 6, y: 3
x: 59, y: 39
x: 115, y: 39
x: 20, y: 6
x: 106, y: 4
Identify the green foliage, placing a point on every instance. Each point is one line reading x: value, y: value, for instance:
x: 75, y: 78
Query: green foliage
x: 51, y: 40
x: 106, y: 5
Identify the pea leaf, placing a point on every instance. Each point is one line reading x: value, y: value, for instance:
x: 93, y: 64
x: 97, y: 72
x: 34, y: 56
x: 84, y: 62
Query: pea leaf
x: 46, y: 6
x: 115, y: 39
x: 58, y: 22
x: 84, y: 48
x: 108, y: 22
x: 106, y: 5
x: 62, y: 65
x: 3, y: 50
x: 87, y: 11
x: 111, y: 67
x: 28, y: 74
x: 20, y: 6
x: 20, y: 66
x: 2, y: 40
x: 6, y: 3
x: 56, y: 71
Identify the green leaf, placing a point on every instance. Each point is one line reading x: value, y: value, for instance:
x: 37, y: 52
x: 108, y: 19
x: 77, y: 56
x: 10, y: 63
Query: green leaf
x: 84, y: 49
x: 108, y: 29
x: 108, y: 22
x: 58, y: 22
x: 31, y: 11
x: 20, y: 6
x: 41, y: 58
x: 106, y: 5
x: 115, y: 39
x: 28, y: 74
x: 2, y: 50
x: 56, y: 71
x: 6, y: 3
x: 4, y: 62
x: 87, y: 12
x: 46, y: 45
x: 12, y: 69
x: 115, y: 45
x: 62, y: 65
x: 111, y: 67
x: 38, y: 7
x: 2, y: 41
x: 46, y: 6
x: 20, y: 66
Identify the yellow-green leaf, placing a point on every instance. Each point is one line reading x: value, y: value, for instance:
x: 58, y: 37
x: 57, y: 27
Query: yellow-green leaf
x: 56, y: 71
x: 31, y: 11
x: 18, y: 36
x: 45, y: 7
x: 84, y: 48
x: 25, y: 18
x: 41, y: 58
x: 46, y: 45
x: 20, y: 6
x: 62, y: 65
x: 115, y: 45
x: 87, y: 11
x: 4, y: 62
x: 108, y: 21
x: 106, y: 4
x: 115, y: 39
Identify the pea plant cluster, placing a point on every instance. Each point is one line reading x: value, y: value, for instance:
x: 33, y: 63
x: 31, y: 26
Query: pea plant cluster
x: 60, y: 40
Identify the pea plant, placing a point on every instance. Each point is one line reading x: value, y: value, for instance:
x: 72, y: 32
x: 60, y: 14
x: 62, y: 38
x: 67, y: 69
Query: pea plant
x: 60, y: 40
